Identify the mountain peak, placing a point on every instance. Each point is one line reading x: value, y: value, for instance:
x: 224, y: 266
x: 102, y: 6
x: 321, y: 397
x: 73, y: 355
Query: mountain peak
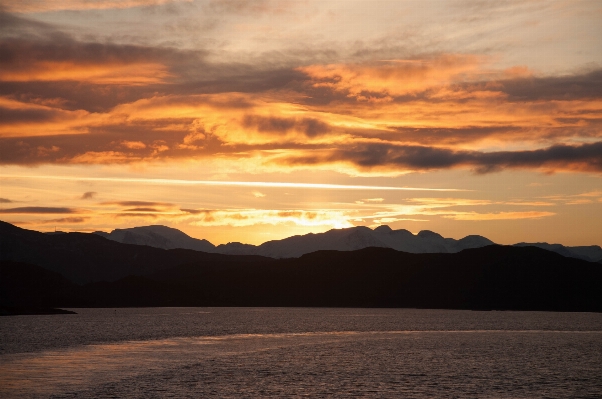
x: 383, y: 229
x: 428, y: 234
x: 159, y: 236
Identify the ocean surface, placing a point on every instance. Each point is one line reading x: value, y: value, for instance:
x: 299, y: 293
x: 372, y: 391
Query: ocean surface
x: 296, y: 352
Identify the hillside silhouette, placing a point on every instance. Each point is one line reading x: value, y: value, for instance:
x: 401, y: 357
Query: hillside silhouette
x: 79, y: 270
x: 348, y: 239
x: 84, y: 258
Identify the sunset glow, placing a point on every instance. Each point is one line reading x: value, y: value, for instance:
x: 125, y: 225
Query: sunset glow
x: 257, y: 120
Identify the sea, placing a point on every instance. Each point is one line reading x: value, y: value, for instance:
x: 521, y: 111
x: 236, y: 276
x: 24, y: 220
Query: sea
x: 301, y: 353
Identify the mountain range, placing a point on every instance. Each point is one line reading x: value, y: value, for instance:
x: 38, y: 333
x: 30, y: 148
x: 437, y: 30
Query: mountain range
x: 84, y: 257
x: 39, y: 271
x: 349, y: 239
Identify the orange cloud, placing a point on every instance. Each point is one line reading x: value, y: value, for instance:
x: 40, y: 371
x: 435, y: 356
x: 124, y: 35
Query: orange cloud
x: 381, y: 82
x: 499, y: 216
x: 133, y: 145
x: 124, y: 74
x: 380, y: 118
x: 26, y: 119
x: 65, y: 220
x: 39, y: 210
x: 250, y: 217
x: 30, y: 6
x: 138, y: 203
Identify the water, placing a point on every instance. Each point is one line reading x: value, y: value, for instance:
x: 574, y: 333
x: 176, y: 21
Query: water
x: 276, y: 352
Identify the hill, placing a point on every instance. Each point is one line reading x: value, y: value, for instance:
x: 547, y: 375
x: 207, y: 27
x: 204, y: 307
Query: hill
x: 493, y: 277
x: 159, y: 237
x: 86, y: 258
x: 72, y: 269
x: 349, y: 239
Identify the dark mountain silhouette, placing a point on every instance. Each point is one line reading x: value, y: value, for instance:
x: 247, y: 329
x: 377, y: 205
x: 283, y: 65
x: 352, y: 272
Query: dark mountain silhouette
x: 590, y: 253
x: 159, y: 237
x: 354, y: 238
x: 86, y: 258
x: 349, y: 239
x: 30, y: 289
x: 104, y: 273
x: 493, y: 277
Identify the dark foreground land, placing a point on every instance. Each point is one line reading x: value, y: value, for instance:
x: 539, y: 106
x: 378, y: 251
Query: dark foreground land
x: 16, y: 311
x: 41, y: 271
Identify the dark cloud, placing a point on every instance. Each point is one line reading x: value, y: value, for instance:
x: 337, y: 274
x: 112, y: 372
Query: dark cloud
x: 571, y: 87
x: 13, y: 26
x: 141, y: 209
x: 27, y: 46
x: 144, y: 215
x: 17, y: 116
x: 586, y: 157
x: 197, y: 211
x: 5, y: 201
x: 577, y: 86
x: 105, y: 145
x: 245, y: 6
x: 38, y: 209
x: 25, y: 53
x: 66, y: 220
x: 448, y: 136
x: 189, y: 72
x: 89, y: 195
x: 309, y: 126
x: 75, y: 95
x: 241, y: 78
x: 138, y: 203
x: 206, y: 214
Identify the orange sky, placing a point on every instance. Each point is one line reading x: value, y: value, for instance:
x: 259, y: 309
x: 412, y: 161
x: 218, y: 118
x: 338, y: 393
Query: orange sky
x: 256, y: 120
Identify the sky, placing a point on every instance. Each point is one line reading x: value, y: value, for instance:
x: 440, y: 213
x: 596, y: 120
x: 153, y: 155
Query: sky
x: 248, y: 121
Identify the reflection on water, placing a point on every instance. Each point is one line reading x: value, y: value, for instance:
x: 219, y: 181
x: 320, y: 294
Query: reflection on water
x: 368, y: 361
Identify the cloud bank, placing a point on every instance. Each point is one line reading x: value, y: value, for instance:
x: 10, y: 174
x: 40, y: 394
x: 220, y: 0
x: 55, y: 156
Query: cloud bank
x: 67, y: 101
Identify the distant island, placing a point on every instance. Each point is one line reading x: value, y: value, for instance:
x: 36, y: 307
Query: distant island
x: 49, y: 271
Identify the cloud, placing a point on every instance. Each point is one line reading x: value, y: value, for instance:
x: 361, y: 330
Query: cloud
x: 251, y: 217
x: 383, y: 81
x: 309, y: 126
x: 529, y: 203
x: 25, y: 60
x: 38, y: 209
x: 585, y: 157
x: 136, y: 215
x: 5, y: 201
x: 138, y: 203
x: 576, y: 199
x: 89, y: 195
x: 142, y: 209
x: 499, y: 216
x: 66, y: 220
x: 197, y: 211
x: 66, y: 101
x: 133, y: 145
x: 586, y: 85
x: 35, y: 6
x: 251, y: 7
